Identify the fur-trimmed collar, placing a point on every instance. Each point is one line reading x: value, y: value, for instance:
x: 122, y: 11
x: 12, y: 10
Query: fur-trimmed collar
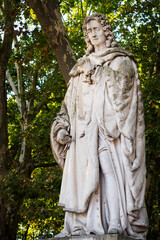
x: 87, y: 63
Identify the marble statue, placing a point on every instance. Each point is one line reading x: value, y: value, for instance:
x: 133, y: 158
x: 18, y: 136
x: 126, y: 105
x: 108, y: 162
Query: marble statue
x: 98, y: 140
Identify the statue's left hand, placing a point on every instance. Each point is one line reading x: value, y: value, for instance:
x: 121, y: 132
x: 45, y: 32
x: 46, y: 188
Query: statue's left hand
x: 63, y: 136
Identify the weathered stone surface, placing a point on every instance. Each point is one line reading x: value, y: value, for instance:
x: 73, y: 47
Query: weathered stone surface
x: 94, y: 237
x: 98, y: 139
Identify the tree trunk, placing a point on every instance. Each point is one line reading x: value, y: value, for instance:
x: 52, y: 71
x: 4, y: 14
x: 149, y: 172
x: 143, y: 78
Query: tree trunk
x: 8, y: 213
x: 49, y: 16
x: 9, y: 221
x: 4, y: 57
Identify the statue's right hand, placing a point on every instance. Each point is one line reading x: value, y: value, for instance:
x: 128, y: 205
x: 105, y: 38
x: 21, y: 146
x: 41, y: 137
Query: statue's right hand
x: 63, y: 137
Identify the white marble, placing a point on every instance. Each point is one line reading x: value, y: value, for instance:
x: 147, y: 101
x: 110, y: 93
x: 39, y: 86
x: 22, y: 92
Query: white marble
x: 98, y: 140
x: 95, y: 237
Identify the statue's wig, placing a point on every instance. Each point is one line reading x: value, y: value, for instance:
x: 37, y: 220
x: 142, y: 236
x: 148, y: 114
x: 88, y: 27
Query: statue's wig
x: 110, y: 41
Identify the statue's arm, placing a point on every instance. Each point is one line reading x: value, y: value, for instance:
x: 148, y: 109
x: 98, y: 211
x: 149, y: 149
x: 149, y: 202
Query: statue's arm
x: 61, y: 128
x: 60, y: 132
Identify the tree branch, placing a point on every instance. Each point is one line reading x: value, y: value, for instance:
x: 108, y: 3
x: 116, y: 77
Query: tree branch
x: 38, y: 107
x: 36, y: 110
x: 19, y: 78
x: 19, y: 69
x: 49, y: 16
x: 32, y: 89
x: 35, y: 78
x: 45, y: 165
x: 14, y: 89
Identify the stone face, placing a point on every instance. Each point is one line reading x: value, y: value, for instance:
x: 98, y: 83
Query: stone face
x: 98, y: 140
x: 95, y: 237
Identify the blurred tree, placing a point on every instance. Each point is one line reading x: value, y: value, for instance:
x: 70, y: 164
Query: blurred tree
x: 35, y: 90
x: 9, y: 12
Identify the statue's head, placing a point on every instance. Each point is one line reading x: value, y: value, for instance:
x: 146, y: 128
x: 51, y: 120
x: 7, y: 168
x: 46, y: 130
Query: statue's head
x: 105, y: 31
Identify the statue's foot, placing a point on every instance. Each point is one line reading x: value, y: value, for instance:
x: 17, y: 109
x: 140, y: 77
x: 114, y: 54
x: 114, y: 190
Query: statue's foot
x: 78, y: 232
x: 62, y: 234
x: 115, y: 229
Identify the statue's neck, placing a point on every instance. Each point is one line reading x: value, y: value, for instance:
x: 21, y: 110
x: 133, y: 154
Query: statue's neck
x: 100, y: 49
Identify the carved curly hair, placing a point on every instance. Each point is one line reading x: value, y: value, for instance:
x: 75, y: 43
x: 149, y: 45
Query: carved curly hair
x: 110, y: 41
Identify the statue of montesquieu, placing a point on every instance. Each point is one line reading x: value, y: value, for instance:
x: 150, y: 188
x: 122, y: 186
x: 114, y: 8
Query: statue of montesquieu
x: 98, y: 140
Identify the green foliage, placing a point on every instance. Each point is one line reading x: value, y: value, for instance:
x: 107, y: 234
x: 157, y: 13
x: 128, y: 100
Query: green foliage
x: 39, y: 212
x: 38, y: 187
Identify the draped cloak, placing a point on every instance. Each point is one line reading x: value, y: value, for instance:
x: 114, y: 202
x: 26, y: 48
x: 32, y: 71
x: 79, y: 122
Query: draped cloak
x: 103, y: 98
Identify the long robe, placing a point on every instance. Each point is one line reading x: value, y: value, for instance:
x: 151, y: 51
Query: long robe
x: 103, y: 99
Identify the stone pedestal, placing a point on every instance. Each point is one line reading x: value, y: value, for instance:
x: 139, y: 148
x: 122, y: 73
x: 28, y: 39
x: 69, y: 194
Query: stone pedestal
x: 94, y: 237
